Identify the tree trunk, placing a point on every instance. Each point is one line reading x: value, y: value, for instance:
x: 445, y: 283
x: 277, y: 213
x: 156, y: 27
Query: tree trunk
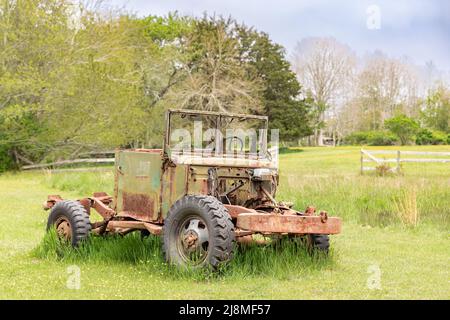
x: 319, y: 141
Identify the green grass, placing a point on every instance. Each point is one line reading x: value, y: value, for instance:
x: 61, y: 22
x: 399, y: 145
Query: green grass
x: 378, y: 232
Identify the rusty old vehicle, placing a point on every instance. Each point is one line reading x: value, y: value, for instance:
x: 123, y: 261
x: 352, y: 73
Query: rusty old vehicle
x: 200, y: 196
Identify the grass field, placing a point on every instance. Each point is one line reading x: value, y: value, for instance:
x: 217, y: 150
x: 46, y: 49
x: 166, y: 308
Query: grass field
x: 394, y: 245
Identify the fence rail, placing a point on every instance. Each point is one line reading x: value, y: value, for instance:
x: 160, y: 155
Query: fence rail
x: 66, y: 162
x: 368, y: 157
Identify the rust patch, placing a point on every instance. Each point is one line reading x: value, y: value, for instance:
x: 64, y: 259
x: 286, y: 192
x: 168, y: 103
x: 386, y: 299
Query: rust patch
x: 86, y: 203
x: 323, y: 216
x: 234, y: 210
x: 101, y: 206
x: 100, y: 194
x: 204, y: 186
x: 261, y: 222
x: 310, y: 210
x: 139, y: 205
x: 171, y: 178
x: 51, y: 200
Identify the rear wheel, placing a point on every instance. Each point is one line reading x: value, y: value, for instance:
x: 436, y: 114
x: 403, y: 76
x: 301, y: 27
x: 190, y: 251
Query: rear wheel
x: 312, y: 242
x: 198, y: 232
x: 70, y: 220
x: 318, y: 242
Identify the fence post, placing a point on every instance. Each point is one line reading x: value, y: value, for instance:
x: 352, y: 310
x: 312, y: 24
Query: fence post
x: 362, y: 162
x: 398, y: 161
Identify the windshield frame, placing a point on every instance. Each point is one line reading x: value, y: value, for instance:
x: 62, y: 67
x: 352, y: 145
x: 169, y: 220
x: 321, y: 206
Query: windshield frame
x: 217, y: 116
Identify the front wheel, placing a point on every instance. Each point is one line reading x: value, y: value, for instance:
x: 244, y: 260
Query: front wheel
x: 70, y: 220
x: 198, y: 232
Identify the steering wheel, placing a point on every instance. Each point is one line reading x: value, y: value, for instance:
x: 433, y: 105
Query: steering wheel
x: 235, y: 138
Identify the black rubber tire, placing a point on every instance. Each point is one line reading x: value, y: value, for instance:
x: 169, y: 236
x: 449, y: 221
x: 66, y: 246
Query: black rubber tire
x: 218, y: 221
x: 144, y: 234
x: 77, y: 216
x: 318, y: 242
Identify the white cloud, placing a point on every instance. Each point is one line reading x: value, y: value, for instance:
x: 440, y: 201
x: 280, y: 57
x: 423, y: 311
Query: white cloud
x: 417, y: 28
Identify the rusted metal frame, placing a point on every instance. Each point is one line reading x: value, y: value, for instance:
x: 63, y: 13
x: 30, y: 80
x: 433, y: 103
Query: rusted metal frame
x: 100, y: 205
x: 226, y: 193
x: 130, y: 225
x: 51, y: 200
x: 153, y: 228
x: 299, y: 224
x: 242, y: 233
x: 248, y: 239
x: 166, y: 136
x: 99, y: 202
x: 235, y: 210
x: 218, y: 114
x: 165, y: 163
x: 218, y: 144
x: 268, y: 195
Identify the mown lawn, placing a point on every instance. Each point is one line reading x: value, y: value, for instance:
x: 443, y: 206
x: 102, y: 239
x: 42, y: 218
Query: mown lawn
x: 381, y: 254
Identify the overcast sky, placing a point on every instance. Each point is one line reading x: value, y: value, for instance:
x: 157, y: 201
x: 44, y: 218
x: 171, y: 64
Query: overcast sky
x: 419, y: 29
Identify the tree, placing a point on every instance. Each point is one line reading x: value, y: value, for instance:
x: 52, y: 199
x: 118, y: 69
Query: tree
x: 386, y: 86
x: 403, y: 127
x: 436, y: 111
x: 215, y: 76
x: 76, y: 78
x: 281, y: 92
x: 161, y: 69
x: 31, y: 47
x: 324, y: 66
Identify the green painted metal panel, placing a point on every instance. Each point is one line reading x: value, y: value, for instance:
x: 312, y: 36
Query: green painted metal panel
x: 139, y: 184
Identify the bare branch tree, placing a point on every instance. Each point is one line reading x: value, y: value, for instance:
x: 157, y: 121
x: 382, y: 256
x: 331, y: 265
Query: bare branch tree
x: 324, y: 67
x: 386, y: 86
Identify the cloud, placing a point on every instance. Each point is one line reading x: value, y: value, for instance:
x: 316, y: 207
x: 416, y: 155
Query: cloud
x: 417, y: 28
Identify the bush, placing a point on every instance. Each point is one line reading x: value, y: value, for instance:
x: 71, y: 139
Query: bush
x: 371, y: 138
x: 426, y: 136
x: 381, y: 138
x: 403, y: 127
x: 6, y: 161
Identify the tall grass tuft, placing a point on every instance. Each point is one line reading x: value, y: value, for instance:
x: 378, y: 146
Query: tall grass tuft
x: 84, y: 183
x: 406, y: 206
x: 281, y: 259
x: 372, y: 200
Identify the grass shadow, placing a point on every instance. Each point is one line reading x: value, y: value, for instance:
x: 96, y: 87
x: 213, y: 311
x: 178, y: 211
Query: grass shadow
x: 287, y: 150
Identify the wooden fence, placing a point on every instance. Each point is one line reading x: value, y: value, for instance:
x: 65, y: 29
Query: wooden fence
x: 52, y: 165
x: 397, y: 157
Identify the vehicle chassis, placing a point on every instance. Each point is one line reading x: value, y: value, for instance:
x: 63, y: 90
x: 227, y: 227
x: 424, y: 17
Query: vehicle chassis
x: 148, y: 183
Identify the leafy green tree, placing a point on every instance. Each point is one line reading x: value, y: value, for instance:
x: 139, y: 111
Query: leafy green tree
x: 75, y: 79
x: 162, y: 68
x: 436, y: 112
x: 75, y: 82
x: 35, y: 36
x: 403, y: 127
x: 280, y: 89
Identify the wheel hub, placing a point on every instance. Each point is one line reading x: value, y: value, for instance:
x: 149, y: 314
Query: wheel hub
x: 190, y: 240
x: 64, y: 229
x: 193, y: 240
